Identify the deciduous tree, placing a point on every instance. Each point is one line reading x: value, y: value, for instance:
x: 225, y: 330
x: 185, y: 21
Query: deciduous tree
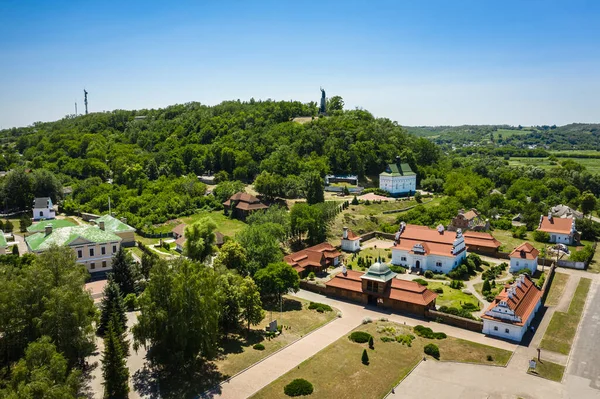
x: 250, y: 303
x: 200, y: 238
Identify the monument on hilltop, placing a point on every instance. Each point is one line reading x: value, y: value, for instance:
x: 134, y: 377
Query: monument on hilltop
x: 322, y: 110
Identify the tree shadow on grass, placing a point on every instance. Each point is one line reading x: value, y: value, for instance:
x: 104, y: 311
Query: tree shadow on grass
x: 185, y: 382
x: 236, y: 343
x: 287, y: 305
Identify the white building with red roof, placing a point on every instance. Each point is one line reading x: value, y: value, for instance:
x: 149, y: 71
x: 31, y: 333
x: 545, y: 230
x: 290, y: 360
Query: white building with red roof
x: 525, y: 256
x: 561, y: 230
x: 423, y: 248
x: 512, y: 311
x: 350, y: 241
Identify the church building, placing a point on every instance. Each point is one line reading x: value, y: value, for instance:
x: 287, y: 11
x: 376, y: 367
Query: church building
x: 398, y: 179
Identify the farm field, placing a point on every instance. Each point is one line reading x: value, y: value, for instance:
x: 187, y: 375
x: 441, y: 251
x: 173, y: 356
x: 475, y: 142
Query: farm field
x: 592, y: 165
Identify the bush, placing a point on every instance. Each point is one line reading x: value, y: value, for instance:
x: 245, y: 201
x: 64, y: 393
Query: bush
x: 421, y: 281
x: 519, y: 232
x: 461, y: 272
x: 427, y: 332
x: 360, y: 337
x: 298, y: 387
x: 405, y: 339
x: 583, y: 255
x: 458, y: 312
x: 490, y: 358
x: 367, y: 320
x: 541, y: 236
x: 259, y: 347
x: 470, y: 306
x: 388, y: 339
x: 457, y: 284
x: 130, y: 302
x: 428, y: 274
x: 397, y: 269
x: 311, y: 275
x: 320, y: 307
x: 487, y: 287
x: 438, y: 290
x: 371, y: 345
x: 365, y: 357
x: 432, y: 350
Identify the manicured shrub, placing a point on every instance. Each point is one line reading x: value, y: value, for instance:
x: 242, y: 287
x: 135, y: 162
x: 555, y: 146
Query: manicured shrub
x: 405, y: 339
x: 388, y: 339
x: 490, y: 358
x: 365, y: 357
x: 438, y: 290
x: 457, y: 284
x: 371, y: 345
x: 130, y: 302
x: 320, y: 307
x: 397, y: 269
x: 428, y: 274
x: 360, y: 337
x: 367, y: 320
x: 458, y: 312
x: 541, y: 236
x: 432, y: 350
x: 298, y: 387
x: 470, y: 306
x: 427, y: 332
x: 311, y: 275
x: 421, y: 281
x: 487, y: 287
x: 259, y: 347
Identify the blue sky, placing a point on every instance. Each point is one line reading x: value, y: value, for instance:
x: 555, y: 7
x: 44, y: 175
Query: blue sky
x: 417, y: 62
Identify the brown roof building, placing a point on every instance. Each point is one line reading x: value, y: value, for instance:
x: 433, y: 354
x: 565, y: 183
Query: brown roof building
x: 561, y: 230
x: 469, y: 220
x: 242, y: 204
x: 481, y: 243
x: 380, y: 287
x: 314, y: 259
x: 512, y: 311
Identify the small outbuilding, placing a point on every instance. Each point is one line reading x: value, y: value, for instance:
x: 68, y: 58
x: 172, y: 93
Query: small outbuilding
x: 43, y: 209
x: 350, y: 241
x: 525, y: 256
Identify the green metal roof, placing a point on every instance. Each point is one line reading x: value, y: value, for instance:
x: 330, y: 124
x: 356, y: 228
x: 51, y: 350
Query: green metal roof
x: 394, y: 169
x: 3, y: 243
x: 379, y: 271
x: 55, y: 223
x: 66, y: 235
x: 113, y: 224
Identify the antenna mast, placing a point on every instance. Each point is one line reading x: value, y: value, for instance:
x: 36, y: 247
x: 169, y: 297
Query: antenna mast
x: 85, y: 93
x: 75, y: 108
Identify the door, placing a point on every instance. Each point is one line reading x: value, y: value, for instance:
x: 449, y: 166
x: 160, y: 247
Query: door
x: 372, y: 300
x: 418, y: 264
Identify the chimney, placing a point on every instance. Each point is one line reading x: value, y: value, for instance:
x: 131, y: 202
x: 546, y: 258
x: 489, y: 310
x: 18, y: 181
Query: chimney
x: 124, y: 220
x: 345, y: 235
x: 48, y: 229
x: 101, y: 224
x: 397, y: 159
x: 550, y: 216
x: 522, y: 278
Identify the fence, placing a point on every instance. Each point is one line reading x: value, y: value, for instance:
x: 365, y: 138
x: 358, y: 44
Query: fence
x: 319, y: 289
x: 571, y: 264
x: 457, y: 321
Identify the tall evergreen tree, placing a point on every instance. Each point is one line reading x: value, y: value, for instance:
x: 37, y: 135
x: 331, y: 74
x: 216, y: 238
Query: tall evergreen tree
x: 124, y: 271
x: 114, y: 366
x: 112, y: 304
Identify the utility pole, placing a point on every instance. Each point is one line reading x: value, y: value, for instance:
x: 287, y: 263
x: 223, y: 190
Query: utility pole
x: 85, y: 93
x: 75, y: 108
x: 109, y: 206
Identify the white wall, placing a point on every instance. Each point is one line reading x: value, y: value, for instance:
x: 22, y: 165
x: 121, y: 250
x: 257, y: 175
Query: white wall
x: 398, y: 184
x: 561, y: 238
x: 520, y: 263
x: 427, y: 262
x: 515, y: 333
x: 43, y: 213
x: 350, y: 245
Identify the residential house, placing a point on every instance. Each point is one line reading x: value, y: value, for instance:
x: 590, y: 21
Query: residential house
x: 380, y: 287
x: 240, y: 205
x: 314, y: 259
x: 511, y: 312
x: 422, y: 248
x: 398, y: 179
x: 564, y: 211
x: 481, y: 243
x: 470, y: 220
x: 178, y: 231
x: 350, y: 241
x: 525, y: 256
x: 561, y: 230
x: 118, y: 227
x: 43, y: 209
x: 93, y: 246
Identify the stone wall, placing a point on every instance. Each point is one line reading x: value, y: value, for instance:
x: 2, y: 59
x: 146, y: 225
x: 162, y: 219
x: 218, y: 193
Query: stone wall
x: 461, y: 322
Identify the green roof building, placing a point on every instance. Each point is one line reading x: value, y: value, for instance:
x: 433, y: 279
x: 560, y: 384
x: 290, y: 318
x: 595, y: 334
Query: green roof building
x: 55, y: 223
x: 398, y: 179
x: 118, y: 227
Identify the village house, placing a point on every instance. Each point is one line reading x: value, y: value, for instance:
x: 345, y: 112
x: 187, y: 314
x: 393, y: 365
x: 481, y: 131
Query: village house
x: 94, y: 247
x: 314, y: 259
x: 470, y: 220
x: 512, y: 311
x: 240, y: 205
x: 564, y: 211
x: 380, y: 287
x: 398, y: 179
x: 421, y: 248
x: 350, y: 241
x: 43, y: 209
x: 561, y: 230
x: 525, y: 256
x: 118, y: 227
x: 481, y: 243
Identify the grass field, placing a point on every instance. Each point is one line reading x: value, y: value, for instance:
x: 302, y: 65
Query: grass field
x: 556, y: 289
x: 452, y: 297
x: 548, y: 370
x: 237, y: 352
x: 337, y: 371
x: 385, y: 254
x: 563, y: 326
x: 509, y: 242
x: 506, y: 133
x: 591, y: 164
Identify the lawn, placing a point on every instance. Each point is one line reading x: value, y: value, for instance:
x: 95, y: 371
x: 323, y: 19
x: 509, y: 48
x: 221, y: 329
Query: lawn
x: 135, y: 250
x: 592, y: 165
x: 374, y: 253
x: 548, y: 370
x: 237, y: 352
x: 563, y: 326
x: 556, y: 289
x: 225, y: 225
x: 509, y: 242
x: 452, y: 297
x: 594, y: 265
x: 337, y: 371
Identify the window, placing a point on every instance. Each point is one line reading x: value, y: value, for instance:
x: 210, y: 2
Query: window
x: 403, y: 258
x: 517, y: 263
x: 438, y: 264
x: 92, y: 265
x: 506, y: 330
x: 114, y: 249
x: 103, y: 250
x: 91, y: 251
x: 79, y: 253
x: 369, y: 285
x: 103, y: 264
x: 495, y: 328
x: 41, y: 213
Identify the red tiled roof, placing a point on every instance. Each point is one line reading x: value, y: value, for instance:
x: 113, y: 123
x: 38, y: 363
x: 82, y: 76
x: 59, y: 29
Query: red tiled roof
x: 250, y: 207
x: 179, y: 229
x: 180, y: 241
x: 523, y: 302
x: 470, y: 215
x: 525, y: 251
x: 556, y: 225
x: 473, y: 238
x: 400, y: 290
x: 245, y: 202
x: 352, y: 236
x: 219, y: 238
x: 424, y: 233
x: 312, y: 256
x: 433, y: 248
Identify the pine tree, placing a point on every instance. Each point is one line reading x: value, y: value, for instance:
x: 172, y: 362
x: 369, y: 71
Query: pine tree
x: 112, y: 303
x: 487, y: 287
x: 365, y: 357
x: 355, y: 200
x: 371, y: 344
x: 124, y: 271
x: 114, y: 367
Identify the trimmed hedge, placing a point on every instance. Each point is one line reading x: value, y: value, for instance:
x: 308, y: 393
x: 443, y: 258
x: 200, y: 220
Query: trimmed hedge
x: 298, y: 387
x: 360, y: 337
x: 421, y: 281
x: 259, y: 347
x: 320, y: 307
x: 427, y: 332
x: 432, y: 350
